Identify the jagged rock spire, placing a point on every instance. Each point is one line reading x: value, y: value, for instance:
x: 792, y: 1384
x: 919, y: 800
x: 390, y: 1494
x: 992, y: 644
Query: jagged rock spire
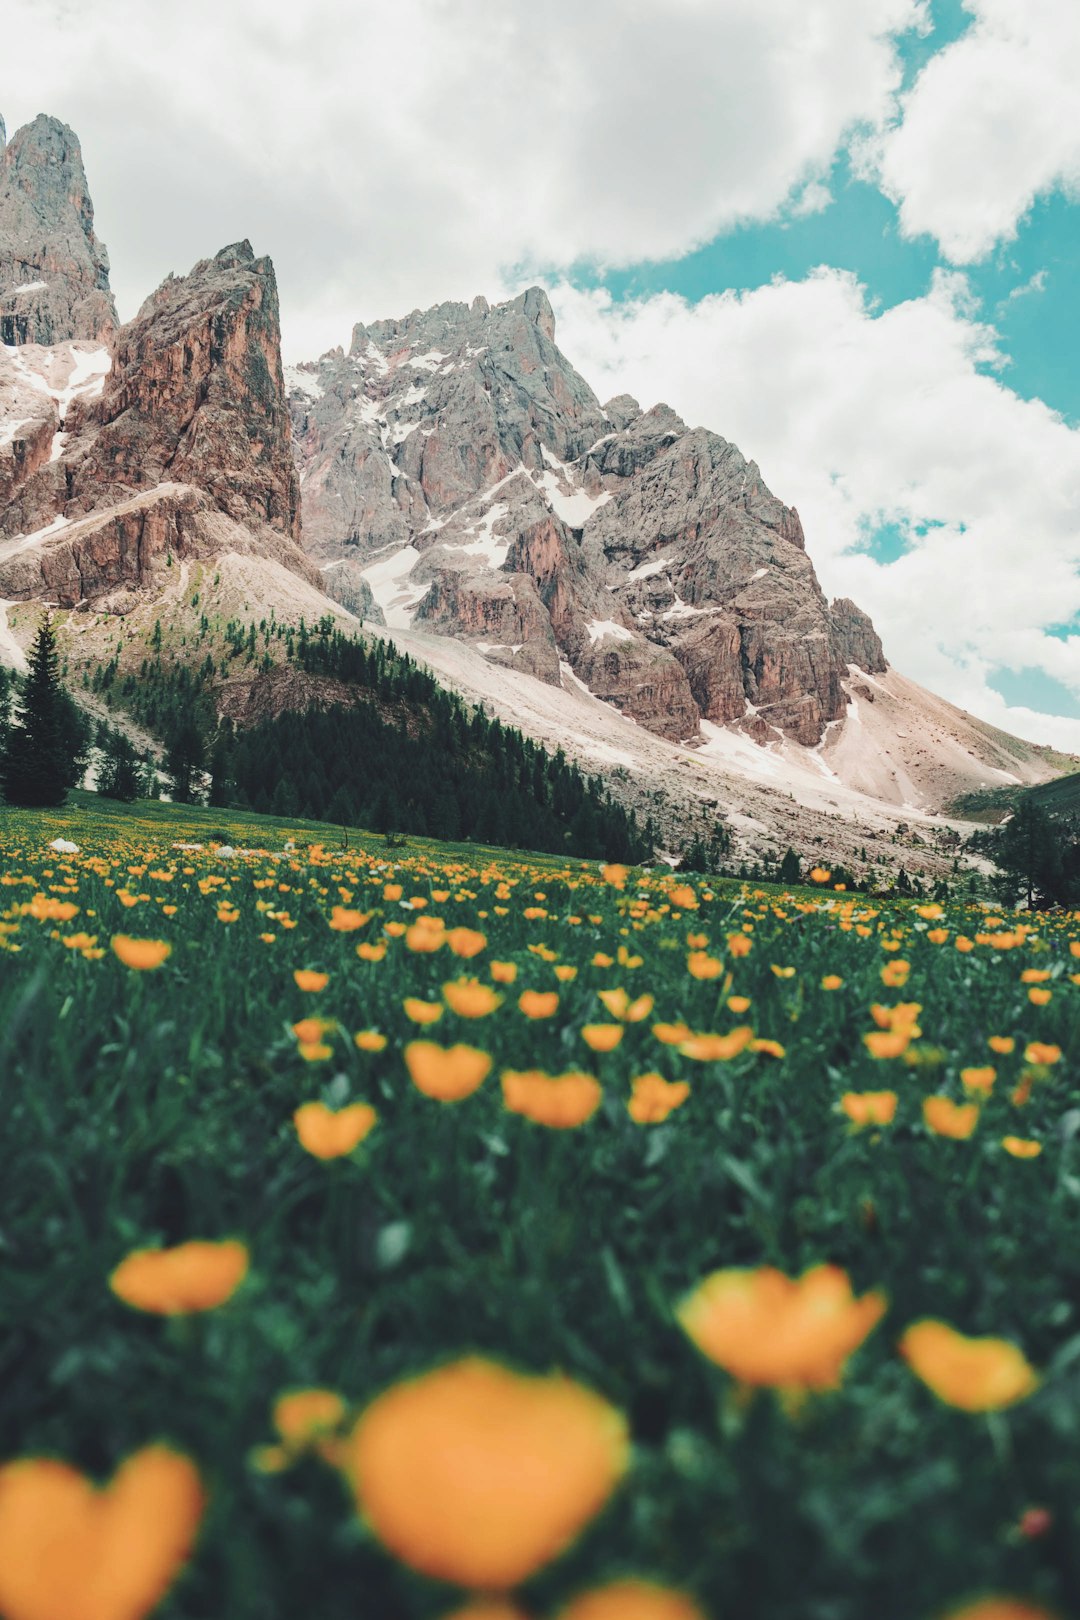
x: 54, y: 273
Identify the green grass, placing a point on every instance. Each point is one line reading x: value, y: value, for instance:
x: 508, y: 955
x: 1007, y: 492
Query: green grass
x: 147, y: 1108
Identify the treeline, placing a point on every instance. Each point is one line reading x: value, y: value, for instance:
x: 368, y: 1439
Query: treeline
x: 404, y: 755
x: 1037, y: 855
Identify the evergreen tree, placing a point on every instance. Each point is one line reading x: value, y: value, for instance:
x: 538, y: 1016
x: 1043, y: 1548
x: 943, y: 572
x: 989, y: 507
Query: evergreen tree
x: 119, y: 773
x: 1030, y: 852
x: 184, y: 762
x: 41, y: 747
x: 790, y: 868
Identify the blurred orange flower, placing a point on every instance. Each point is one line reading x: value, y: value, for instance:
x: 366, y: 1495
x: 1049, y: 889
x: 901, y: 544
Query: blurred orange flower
x: 654, y: 1098
x: 976, y: 1375
x: 538, y: 1003
x: 468, y: 998
x: 70, y: 1550
x: 559, y: 1101
x: 144, y: 955
x: 789, y: 1332
x: 173, y: 1282
x: 869, y: 1107
x: 307, y: 979
x: 479, y: 1475
x: 631, y: 1600
x: 447, y: 1073
x: 329, y: 1135
x: 946, y: 1118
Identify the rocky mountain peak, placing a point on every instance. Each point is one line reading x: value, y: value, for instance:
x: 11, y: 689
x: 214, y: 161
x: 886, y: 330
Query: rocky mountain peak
x: 54, y: 273
x: 458, y: 473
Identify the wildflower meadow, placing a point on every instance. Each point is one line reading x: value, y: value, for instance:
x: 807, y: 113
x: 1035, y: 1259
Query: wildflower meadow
x: 431, y: 1232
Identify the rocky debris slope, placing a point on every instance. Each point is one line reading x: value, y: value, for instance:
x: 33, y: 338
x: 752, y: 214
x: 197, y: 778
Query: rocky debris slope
x: 54, y: 273
x: 176, y: 443
x: 456, y: 463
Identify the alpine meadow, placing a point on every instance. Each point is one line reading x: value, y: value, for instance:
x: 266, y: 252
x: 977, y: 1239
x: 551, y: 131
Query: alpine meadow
x: 540, y: 978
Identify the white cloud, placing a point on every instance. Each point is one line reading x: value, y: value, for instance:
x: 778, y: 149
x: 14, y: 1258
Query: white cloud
x: 862, y: 418
x: 394, y: 154
x: 991, y: 123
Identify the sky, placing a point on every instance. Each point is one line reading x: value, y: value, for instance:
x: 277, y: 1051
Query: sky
x: 845, y: 234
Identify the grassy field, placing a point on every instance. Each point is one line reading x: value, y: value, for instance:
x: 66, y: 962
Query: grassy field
x: 789, y: 1457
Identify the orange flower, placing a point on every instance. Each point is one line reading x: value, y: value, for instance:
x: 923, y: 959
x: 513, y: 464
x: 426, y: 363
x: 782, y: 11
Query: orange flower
x: 769, y: 1048
x: 702, y: 966
x: 895, y: 973
x: 303, y: 1415
x: 655, y: 1098
x: 504, y: 972
x: 329, y: 1135
x: 792, y: 1333
x: 70, y: 1550
x: 538, y: 1003
x: 979, y: 1080
x: 561, y: 1102
x: 174, y: 1282
x: 976, y: 1375
x: 869, y: 1107
x: 671, y: 1034
x: 1021, y: 1147
x: 1001, y: 1043
x: 615, y: 875
x: 684, y: 897
x: 479, y: 1475
x: 347, y: 922
x: 565, y: 972
x: 946, y: 1118
x: 466, y: 942
x: 620, y: 1006
x: 447, y: 1073
x: 422, y: 1012
x: 144, y: 955
x: 887, y: 1043
x: 739, y: 944
x: 1042, y: 1052
x: 488, y: 1609
x: 426, y: 935
x: 471, y: 999
x: 308, y: 1030
x: 738, y: 1004
x: 831, y: 981
x: 307, y: 979
x: 371, y: 953
x: 369, y: 1040
x: 602, y: 1037
x: 717, y: 1048
x: 1039, y: 997
x: 631, y: 1600
x: 782, y: 972
x: 820, y: 874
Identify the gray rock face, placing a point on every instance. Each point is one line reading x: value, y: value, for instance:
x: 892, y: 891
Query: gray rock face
x: 54, y: 273
x: 457, y: 462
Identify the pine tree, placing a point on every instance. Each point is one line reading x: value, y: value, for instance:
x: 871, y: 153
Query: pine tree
x: 39, y: 757
x: 184, y: 762
x: 119, y: 774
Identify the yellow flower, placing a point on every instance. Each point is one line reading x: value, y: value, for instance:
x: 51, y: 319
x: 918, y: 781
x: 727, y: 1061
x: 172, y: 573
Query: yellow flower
x: 1021, y: 1147
x: 631, y: 1600
x: 422, y: 1012
x: 654, y: 1098
x: 946, y: 1118
x: 479, y: 1475
x: 70, y: 1550
x: 144, y: 955
x: 717, y: 1048
x: 869, y: 1107
x: 602, y: 1037
x: 538, y: 1003
x: 562, y: 1102
x: 369, y: 1040
x: 782, y: 972
x: 468, y: 998
x: 329, y: 1135
x: 791, y: 1333
x: 307, y: 979
x: 976, y: 1375
x: 447, y: 1073
x: 174, y: 1282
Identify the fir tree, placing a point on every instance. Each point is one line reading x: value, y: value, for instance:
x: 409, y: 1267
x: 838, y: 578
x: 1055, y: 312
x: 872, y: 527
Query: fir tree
x: 119, y: 773
x: 184, y: 762
x: 41, y: 748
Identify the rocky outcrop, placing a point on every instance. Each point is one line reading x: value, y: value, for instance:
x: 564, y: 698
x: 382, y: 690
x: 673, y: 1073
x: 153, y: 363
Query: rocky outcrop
x: 466, y: 470
x: 196, y: 396
x: 854, y: 637
x: 54, y: 273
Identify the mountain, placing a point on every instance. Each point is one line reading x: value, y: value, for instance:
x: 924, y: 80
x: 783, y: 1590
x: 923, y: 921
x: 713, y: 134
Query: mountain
x: 54, y: 273
x: 457, y: 468
x: 608, y: 579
